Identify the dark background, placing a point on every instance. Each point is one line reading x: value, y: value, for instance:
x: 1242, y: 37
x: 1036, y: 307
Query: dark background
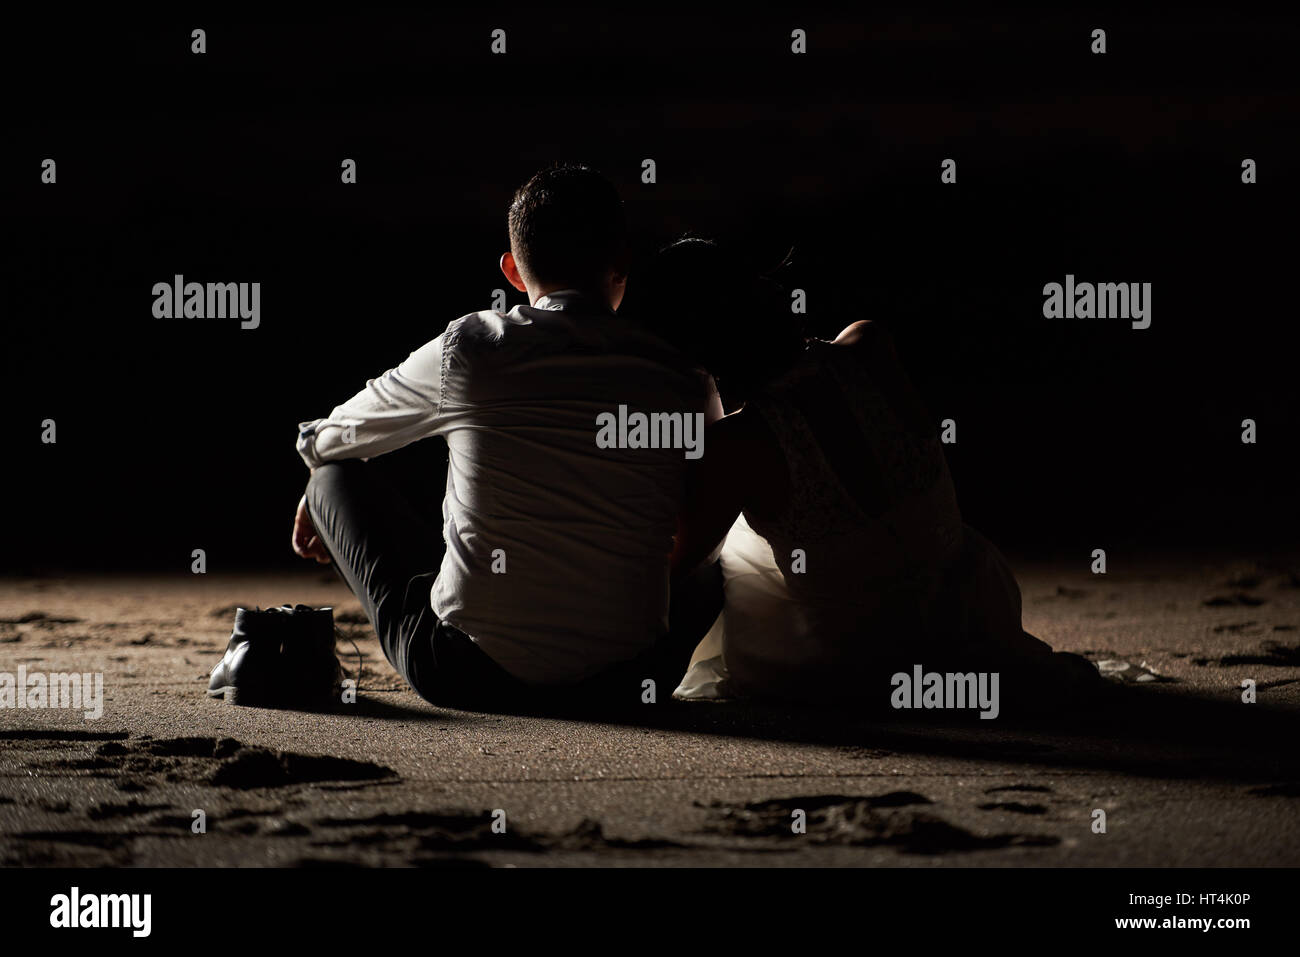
x: 1072, y: 434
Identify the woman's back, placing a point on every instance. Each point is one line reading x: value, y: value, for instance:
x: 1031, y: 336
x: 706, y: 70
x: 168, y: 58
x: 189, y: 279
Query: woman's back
x: 864, y: 524
x: 869, y: 502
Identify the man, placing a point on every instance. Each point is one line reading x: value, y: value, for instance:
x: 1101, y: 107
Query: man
x: 550, y: 570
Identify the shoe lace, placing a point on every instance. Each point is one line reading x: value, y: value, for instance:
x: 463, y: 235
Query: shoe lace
x: 340, y: 634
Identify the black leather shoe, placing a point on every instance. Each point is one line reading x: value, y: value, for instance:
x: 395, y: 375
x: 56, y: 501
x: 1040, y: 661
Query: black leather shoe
x: 280, y: 658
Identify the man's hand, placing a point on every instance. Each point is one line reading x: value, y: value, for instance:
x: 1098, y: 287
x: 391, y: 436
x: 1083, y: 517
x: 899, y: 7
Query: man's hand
x: 305, y: 540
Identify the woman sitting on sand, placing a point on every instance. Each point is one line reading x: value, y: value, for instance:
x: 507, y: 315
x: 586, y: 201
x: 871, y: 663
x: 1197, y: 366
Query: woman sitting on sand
x: 845, y: 558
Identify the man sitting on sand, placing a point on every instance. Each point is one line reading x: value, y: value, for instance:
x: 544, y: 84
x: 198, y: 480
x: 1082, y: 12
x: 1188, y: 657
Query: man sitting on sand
x: 547, y: 571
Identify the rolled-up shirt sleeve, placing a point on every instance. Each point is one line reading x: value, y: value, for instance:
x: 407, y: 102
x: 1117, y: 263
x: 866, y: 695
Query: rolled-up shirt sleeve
x: 397, y: 408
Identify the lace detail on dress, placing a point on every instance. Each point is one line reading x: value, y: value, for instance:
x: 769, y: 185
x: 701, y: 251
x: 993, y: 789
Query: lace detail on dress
x: 819, y: 506
x: 909, y: 463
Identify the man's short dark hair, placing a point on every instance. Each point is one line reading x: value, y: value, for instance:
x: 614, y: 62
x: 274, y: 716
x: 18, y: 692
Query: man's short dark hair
x: 567, y: 225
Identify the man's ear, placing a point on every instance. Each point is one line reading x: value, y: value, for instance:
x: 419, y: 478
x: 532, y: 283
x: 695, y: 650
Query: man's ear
x: 511, y: 271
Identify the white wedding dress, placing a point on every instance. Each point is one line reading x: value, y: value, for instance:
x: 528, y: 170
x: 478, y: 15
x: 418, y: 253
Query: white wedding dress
x: 822, y: 593
x: 757, y: 605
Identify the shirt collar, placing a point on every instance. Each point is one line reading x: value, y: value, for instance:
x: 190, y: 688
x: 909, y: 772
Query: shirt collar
x: 572, y: 300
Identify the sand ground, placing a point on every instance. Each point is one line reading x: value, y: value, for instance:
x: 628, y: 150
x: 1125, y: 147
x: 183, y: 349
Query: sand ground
x: 1186, y: 773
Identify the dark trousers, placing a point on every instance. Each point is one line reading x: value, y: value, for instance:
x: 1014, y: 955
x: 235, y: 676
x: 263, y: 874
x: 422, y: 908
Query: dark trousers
x: 381, y: 521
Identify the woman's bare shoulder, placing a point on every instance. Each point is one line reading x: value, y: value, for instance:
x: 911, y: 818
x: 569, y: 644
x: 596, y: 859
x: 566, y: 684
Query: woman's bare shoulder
x: 859, y: 333
x: 869, y: 342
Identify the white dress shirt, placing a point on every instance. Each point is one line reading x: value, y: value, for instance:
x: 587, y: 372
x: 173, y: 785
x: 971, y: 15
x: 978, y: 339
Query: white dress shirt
x: 583, y: 533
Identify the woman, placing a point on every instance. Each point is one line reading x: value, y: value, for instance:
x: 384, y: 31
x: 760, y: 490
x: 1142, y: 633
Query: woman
x: 845, y: 558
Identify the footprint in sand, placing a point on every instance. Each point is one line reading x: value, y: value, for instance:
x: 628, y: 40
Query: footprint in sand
x: 890, y: 819
x: 1271, y: 653
x: 1015, y: 807
x: 1239, y: 628
x: 1240, y: 599
x: 1289, y: 789
x: 40, y: 619
x: 138, y: 765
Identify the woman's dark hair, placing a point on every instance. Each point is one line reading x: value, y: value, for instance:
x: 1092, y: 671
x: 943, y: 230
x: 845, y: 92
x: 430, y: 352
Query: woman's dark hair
x: 718, y: 310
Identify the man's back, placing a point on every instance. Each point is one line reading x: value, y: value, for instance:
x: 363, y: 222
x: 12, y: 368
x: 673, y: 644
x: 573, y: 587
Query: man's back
x: 557, y: 548
x: 557, y: 538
